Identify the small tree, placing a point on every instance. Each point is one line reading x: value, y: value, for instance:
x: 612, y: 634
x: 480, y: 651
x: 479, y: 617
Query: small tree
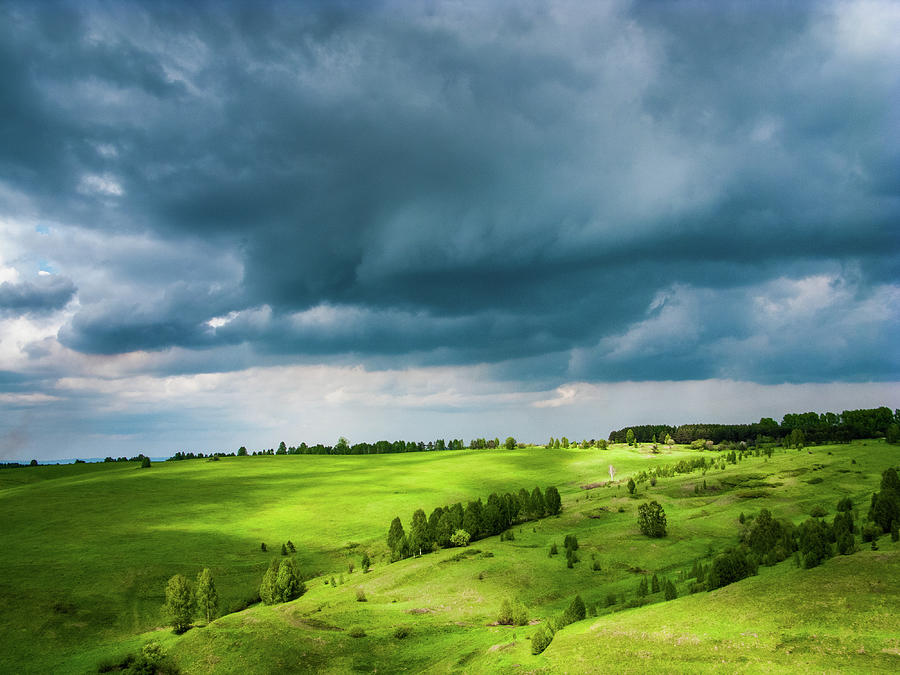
x: 574, y: 612
x: 652, y: 519
x: 552, y: 500
x: 631, y: 486
x: 671, y: 592
x: 520, y: 614
x: 510, y: 443
x: 206, y: 596
x: 262, y: 547
x: 460, y: 538
x: 654, y: 583
x: 642, y: 587
x: 267, y: 587
x: 288, y: 584
x: 145, y: 462
x: 284, y: 550
x: 364, y: 563
x: 291, y: 547
x: 179, y: 606
x: 629, y: 437
x: 505, y: 616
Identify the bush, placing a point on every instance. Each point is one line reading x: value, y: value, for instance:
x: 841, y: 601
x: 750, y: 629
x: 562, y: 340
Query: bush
x: 818, y: 511
x: 401, y: 632
x: 610, y: 599
x: 845, y: 504
x: 596, y: 566
x: 670, y: 591
x: 520, y: 614
x: 460, y: 538
x: 571, y: 542
x: 145, y: 462
x: 356, y: 632
x: 505, y: 616
x: 541, y: 640
x: 730, y: 566
x: 360, y: 595
x: 553, y: 549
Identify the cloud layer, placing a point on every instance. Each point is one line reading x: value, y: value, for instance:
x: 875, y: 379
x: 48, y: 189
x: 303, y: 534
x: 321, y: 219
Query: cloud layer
x: 560, y: 192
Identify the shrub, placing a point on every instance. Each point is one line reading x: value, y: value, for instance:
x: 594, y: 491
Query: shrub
x: 571, y: 542
x: 553, y: 549
x: 520, y: 614
x: 505, y: 616
x: 574, y: 612
x: 541, y: 640
x: 360, y: 595
x: 610, y: 599
x: 818, y: 511
x: 262, y: 547
x: 596, y: 566
x: 815, y: 545
x: 145, y: 462
x: 365, y: 563
x: 356, y: 632
x: 730, y: 566
x: 401, y: 632
x: 845, y: 504
x: 460, y: 538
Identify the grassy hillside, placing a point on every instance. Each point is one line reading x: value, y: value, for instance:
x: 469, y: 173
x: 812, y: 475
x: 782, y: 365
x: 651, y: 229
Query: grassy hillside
x: 90, y: 548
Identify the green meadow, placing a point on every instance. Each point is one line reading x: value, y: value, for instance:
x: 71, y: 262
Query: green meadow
x: 87, y: 550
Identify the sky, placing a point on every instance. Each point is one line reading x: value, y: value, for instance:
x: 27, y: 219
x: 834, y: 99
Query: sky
x: 237, y: 223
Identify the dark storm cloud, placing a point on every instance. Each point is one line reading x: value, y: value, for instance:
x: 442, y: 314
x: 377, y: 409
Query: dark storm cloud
x: 464, y: 184
x: 44, y: 294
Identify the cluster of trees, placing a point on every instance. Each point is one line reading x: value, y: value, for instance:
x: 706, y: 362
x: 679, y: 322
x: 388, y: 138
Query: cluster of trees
x: 670, y: 592
x: 815, y: 428
x: 451, y: 525
x: 585, y: 444
x: 765, y: 540
x: 281, y: 582
x: 186, y: 601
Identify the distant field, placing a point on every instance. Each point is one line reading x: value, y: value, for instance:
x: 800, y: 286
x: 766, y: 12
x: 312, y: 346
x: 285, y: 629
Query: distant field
x: 87, y: 549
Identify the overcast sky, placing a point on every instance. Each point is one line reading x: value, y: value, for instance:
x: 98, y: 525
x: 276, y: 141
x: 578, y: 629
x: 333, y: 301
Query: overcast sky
x: 241, y: 223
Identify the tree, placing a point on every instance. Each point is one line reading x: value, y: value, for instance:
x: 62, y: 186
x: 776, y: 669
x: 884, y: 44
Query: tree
x: 242, y: 451
x: 365, y: 563
x: 574, y: 612
x: 510, y: 443
x: 179, y: 606
x: 145, y: 462
x: 33, y: 462
x: 654, y: 583
x: 282, y: 449
x: 419, y: 540
x: 395, y: 539
x: 631, y: 486
x: 267, y: 586
x: 206, y: 596
x: 629, y: 437
x: 642, y: 587
x: 670, y: 591
x: 460, y: 538
x: 505, y: 616
x: 814, y: 539
x: 288, y: 584
x: 652, y: 519
x: 536, y: 503
x: 552, y: 500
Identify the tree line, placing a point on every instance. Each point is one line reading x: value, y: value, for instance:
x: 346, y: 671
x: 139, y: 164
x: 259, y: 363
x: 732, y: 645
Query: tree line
x: 457, y: 525
x: 815, y: 428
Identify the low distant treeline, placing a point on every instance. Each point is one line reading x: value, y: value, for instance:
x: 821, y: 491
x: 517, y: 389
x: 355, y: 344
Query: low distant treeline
x: 816, y: 428
x: 343, y: 447
x: 457, y: 525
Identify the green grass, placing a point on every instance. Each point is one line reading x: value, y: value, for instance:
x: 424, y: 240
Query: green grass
x: 89, y: 548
